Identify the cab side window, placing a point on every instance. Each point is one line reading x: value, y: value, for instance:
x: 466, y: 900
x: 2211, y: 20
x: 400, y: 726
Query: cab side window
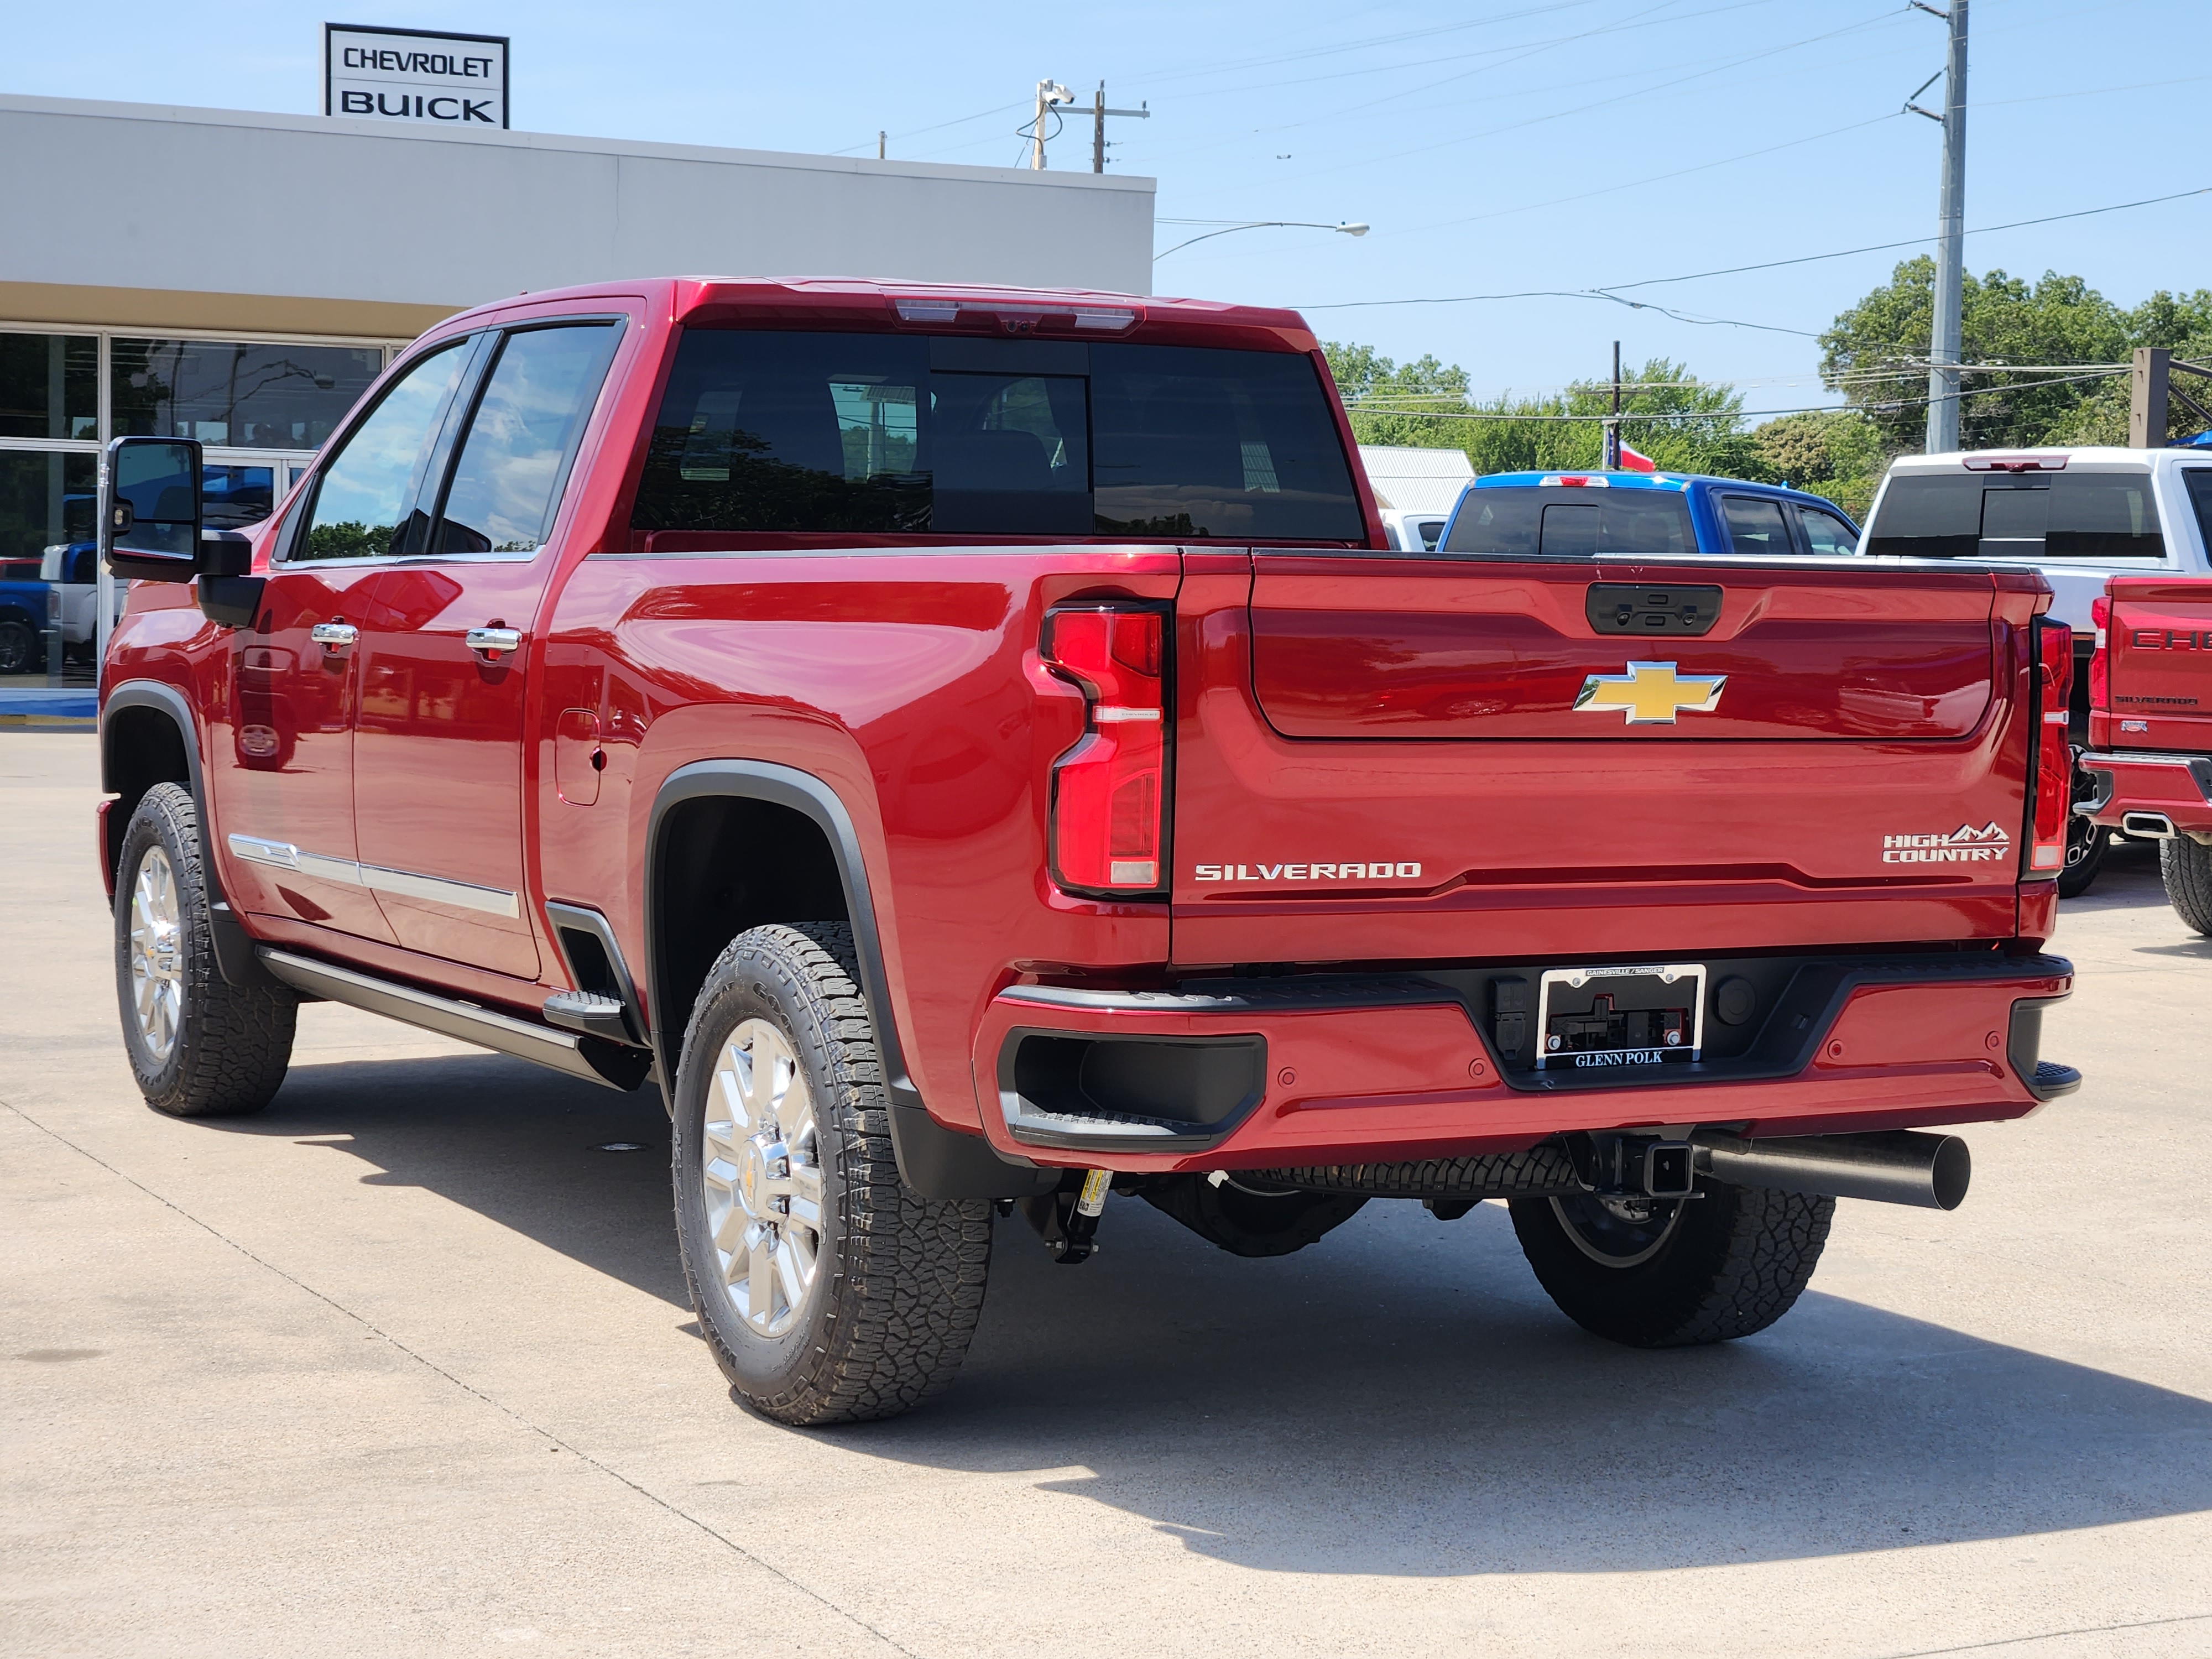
x: 366, y: 492
x: 1755, y: 526
x: 1825, y: 533
x: 522, y: 438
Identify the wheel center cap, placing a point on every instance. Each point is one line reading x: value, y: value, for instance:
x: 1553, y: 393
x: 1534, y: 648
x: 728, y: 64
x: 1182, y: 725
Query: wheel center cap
x: 762, y: 1161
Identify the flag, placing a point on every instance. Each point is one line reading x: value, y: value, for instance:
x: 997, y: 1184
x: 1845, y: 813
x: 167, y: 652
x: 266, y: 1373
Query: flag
x: 1633, y: 460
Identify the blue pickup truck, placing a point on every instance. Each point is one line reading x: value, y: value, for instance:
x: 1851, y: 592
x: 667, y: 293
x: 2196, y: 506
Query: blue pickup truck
x: 1605, y: 514
x: 29, y: 611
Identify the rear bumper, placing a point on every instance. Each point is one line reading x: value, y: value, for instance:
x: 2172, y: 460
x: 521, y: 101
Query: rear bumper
x: 1362, y: 1070
x: 2176, y: 787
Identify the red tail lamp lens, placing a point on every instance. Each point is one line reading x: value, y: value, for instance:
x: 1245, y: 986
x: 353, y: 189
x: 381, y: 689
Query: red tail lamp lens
x: 2054, y: 755
x: 1107, y: 792
x: 2100, y: 665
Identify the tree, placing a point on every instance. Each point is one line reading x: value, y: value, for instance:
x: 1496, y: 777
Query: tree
x: 1415, y: 393
x: 1425, y: 403
x: 1876, y: 353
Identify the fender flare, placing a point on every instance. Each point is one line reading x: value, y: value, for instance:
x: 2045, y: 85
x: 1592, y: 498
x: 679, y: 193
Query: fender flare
x: 934, y: 1161
x: 234, y: 947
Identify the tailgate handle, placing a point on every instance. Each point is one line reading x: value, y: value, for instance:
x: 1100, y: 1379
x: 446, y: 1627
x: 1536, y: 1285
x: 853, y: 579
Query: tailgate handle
x: 1621, y: 608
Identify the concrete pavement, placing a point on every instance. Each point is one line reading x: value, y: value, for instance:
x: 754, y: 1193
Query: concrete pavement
x: 404, y: 1366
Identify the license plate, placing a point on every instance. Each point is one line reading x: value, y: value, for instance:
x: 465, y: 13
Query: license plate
x: 1648, y: 1015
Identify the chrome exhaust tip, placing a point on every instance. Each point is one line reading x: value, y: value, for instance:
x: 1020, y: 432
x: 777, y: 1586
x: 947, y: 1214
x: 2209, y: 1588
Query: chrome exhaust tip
x: 2150, y: 826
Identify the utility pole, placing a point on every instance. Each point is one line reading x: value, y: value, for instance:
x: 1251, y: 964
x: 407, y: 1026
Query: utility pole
x: 1049, y: 93
x: 881, y: 139
x: 1610, y: 458
x: 1099, y: 114
x: 1950, y: 241
x: 2152, y: 395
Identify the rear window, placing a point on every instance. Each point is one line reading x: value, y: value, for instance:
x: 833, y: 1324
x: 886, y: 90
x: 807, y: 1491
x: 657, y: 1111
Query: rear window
x: 2064, y: 515
x: 1518, y: 522
x: 764, y: 431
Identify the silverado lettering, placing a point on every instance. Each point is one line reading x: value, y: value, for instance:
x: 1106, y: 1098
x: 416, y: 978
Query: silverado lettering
x: 825, y: 742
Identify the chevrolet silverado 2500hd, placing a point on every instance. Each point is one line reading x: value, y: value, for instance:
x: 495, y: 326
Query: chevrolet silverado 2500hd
x: 2149, y: 760
x: 974, y: 750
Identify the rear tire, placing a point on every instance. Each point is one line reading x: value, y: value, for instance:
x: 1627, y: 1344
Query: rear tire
x: 828, y: 1291
x: 1707, y: 1269
x: 19, y: 647
x: 2186, y: 868
x: 199, y: 1046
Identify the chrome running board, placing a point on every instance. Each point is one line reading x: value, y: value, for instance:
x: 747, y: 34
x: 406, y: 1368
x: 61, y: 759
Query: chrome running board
x: 563, y: 1051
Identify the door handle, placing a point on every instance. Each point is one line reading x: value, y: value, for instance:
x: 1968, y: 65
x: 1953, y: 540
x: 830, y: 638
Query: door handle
x: 493, y: 644
x: 334, y: 635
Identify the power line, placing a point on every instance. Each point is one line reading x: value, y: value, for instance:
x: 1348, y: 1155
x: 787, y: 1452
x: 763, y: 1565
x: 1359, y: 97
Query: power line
x: 1731, y: 416
x: 1614, y: 290
x: 1915, y: 242
x: 1513, y: 126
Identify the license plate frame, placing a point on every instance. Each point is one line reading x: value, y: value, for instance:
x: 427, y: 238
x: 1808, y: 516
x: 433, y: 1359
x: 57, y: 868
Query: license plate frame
x: 1626, y: 1057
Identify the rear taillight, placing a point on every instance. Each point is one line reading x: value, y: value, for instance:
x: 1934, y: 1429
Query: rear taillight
x: 1109, y: 790
x: 2054, y: 755
x: 2100, y: 665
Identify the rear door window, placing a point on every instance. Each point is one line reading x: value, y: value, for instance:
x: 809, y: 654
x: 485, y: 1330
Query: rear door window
x: 1825, y: 533
x: 522, y: 438
x: 2198, y: 479
x: 1755, y: 526
x: 815, y: 433
x: 1514, y: 521
x: 2097, y: 516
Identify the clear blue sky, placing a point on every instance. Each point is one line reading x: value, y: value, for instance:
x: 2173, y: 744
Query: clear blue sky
x: 1463, y: 134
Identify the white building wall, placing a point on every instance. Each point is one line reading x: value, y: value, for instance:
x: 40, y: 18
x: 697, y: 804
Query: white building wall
x: 148, y: 197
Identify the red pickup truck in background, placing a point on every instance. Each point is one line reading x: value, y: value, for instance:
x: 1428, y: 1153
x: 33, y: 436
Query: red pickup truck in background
x: 976, y: 752
x: 2149, y: 766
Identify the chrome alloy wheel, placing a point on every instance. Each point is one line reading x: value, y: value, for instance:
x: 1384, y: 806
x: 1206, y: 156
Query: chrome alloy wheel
x: 157, y: 980
x: 1618, y: 1232
x: 763, y: 1178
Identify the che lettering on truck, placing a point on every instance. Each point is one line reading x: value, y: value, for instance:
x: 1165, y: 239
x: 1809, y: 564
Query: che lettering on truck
x: 907, y: 854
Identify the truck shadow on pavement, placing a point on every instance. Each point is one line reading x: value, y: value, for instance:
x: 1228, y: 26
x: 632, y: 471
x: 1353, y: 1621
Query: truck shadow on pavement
x: 1401, y: 1398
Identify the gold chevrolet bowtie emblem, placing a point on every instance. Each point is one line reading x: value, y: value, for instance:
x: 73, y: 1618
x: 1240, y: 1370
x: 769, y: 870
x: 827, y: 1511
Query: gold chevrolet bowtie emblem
x: 1651, y: 693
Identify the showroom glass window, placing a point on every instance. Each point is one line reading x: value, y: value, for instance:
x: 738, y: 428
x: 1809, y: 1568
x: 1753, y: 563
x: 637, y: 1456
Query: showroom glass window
x: 261, y: 408
x: 241, y: 396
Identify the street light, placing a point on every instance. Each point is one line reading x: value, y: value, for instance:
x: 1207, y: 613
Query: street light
x: 1346, y: 227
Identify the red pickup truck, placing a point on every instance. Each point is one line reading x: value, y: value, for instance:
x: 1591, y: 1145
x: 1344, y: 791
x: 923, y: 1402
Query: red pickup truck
x: 2148, y: 767
x: 976, y: 752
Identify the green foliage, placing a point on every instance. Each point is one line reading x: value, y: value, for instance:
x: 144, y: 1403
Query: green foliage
x: 349, y: 538
x: 1425, y: 403
x: 1876, y: 354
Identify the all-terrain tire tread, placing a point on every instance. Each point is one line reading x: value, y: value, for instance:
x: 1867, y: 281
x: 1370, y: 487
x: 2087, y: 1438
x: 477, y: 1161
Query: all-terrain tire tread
x: 235, y: 1044
x: 2186, y: 868
x: 906, y: 1307
x: 1772, y: 1252
x: 1738, y: 1261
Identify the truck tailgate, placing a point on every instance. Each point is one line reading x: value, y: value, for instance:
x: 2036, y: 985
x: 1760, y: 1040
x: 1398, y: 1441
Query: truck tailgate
x: 1394, y: 759
x: 2159, y: 652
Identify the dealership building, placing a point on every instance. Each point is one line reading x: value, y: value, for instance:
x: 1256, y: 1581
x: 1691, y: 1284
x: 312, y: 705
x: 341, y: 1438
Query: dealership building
x: 240, y: 278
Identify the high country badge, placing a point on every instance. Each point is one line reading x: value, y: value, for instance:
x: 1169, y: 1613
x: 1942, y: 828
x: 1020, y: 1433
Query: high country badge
x: 1965, y: 845
x: 1651, y: 693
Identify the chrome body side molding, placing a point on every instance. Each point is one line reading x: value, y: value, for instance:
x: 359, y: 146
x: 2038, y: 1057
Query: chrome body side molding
x: 461, y: 895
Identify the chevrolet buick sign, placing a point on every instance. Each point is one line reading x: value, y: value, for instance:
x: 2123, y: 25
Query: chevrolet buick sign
x: 415, y: 75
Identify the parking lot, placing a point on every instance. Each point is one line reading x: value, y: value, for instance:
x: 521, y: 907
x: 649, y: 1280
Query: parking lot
x: 405, y: 1364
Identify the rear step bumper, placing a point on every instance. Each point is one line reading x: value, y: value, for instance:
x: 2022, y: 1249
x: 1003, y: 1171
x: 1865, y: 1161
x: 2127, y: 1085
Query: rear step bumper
x: 1267, y: 1073
x: 2149, y: 786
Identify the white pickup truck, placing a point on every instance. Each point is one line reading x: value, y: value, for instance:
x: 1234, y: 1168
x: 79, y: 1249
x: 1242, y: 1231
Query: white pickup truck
x: 2078, y: 516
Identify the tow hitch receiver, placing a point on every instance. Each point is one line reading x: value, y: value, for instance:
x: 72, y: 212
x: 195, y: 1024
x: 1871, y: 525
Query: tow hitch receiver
x: 1634, y: 1166
x: 1068, y: 1221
